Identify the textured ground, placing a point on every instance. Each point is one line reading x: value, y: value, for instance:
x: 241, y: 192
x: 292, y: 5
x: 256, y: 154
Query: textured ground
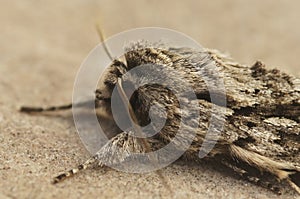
x: 42, y: 46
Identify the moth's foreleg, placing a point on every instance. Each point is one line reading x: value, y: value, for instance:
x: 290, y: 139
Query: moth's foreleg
x: 106, y: 154
x: 72, y: 172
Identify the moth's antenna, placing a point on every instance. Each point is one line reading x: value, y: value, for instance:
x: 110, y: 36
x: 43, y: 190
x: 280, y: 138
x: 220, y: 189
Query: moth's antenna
x: 102, y: 38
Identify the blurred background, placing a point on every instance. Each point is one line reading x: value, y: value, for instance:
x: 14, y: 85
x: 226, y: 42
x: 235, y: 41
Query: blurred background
x: 53, y: 37
x: 44, y: 42
x: 265, y: 30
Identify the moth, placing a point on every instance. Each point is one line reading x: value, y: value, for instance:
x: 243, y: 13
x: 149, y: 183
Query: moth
x: 260, y: 139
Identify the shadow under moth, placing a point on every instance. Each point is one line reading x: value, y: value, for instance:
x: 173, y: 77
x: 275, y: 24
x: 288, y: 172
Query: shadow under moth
x: 260, y: 139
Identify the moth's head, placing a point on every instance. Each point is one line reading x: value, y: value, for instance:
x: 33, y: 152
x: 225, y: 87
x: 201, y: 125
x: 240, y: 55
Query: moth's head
x: 106, y: 85
x: 109, y: 79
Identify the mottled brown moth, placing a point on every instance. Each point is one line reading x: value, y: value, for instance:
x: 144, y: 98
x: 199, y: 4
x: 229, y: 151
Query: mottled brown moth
x: 261, y: 135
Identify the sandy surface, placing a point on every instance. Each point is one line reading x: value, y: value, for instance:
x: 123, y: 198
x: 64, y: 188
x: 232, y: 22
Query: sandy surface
x: 42, y: 46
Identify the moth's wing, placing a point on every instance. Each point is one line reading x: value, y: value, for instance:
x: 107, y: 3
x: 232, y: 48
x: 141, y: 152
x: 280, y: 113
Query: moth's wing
x: 275, y: 139
x: 264, y: 126
x: 265, y: 104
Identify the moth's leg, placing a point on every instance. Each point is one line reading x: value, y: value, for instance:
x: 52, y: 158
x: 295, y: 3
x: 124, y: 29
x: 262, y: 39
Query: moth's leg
x: 256, y: 179
x: 115, y: 151
x: 283, y: 171
x: 27, y: 109
x: 99, y: 97
x: 72, y: 172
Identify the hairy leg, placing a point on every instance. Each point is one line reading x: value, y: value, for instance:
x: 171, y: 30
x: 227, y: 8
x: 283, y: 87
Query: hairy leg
x: 116, y: 151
